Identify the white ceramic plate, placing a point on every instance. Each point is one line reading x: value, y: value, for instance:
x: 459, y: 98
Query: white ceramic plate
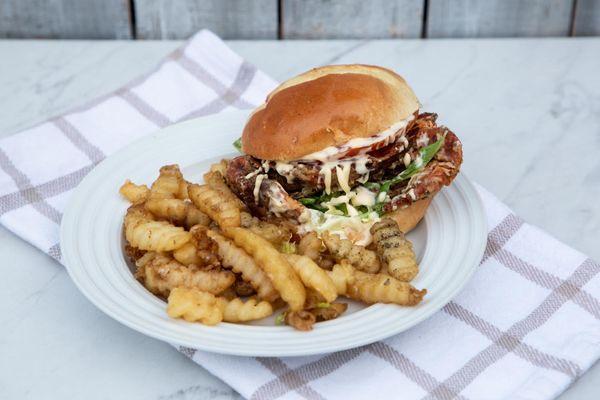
x: 449, y: 243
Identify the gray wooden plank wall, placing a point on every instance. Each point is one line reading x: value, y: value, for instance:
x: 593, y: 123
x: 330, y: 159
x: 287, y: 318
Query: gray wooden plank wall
x: 297, y: 19
x: 66, y: 19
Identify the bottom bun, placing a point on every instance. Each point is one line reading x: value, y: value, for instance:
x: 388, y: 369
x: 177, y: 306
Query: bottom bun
x: 407, y: 218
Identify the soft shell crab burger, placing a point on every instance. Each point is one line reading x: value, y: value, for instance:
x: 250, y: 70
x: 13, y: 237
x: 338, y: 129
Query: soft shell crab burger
x: 339, y: 147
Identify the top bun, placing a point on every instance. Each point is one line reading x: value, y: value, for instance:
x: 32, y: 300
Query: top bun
x: 324, y: 107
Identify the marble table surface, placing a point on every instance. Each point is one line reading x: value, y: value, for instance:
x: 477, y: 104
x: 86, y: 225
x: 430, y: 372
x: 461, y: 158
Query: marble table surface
x: 527, y: 111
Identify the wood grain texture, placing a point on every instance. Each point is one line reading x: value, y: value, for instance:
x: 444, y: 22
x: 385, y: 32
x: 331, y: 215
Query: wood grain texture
x: 230, y: 19
x: 587, y: 18
x: 498, y: 18
x: 351, y: 19
x: 65, y: 19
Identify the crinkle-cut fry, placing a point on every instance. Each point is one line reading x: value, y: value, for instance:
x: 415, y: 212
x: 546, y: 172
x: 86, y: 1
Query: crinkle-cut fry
x: 194, y: 306
x: 374, y: 288
x: 177, y: 211
x: 161, y: 273
x: 310, y: 245
x: 237, y: 310
x: 313, y: 276
x: 219, y: 167
x: 240, y: 262
x: 279, y: 271
x: 394, y: 250
x: 216, y: 182
x: 343, y: 249
x: 276, y: 234
x: 135, y: 194
x: 144, y: 233
x: 188, y: 255
x: 225, y: 212
x: 169, y: 183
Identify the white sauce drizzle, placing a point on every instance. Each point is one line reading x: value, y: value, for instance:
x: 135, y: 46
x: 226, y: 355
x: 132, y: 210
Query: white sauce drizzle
x: 257, y: 184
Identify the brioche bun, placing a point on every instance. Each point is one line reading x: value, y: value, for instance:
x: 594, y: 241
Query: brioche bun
x: 324, y: 107
x: 408, y: 217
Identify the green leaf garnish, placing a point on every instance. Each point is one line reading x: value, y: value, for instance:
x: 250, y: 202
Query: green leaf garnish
x: 323, y: 305
x: 280, y: 319
x: 288, y: 248
x: 238, y: 144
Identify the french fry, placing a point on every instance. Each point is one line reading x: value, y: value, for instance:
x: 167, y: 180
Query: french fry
x: 177, y: 211
x: 237, y: 310
x: 135, y: 194
x: 313, y: 276
x: 373, y: 288
x: 194, y: 306
x: 161, y: 274
x: 188, y: 255
x: 225, y: 212
x: 343, y: 249
x: 169, y: 183
x: 273, y: 263
x: 195, y: 217
x: 240, y: 262
x: 220, y: 167
x: 144, y: 233
x: 216, y: 182
x: 394, y: 250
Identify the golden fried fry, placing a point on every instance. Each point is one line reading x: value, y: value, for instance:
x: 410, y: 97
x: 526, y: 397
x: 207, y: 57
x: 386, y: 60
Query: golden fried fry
x: 394, y: 250
x: 276, y: 234
x: 279, y: 271
x: 224, y: 211
x: 216, y: 182
x: 195, y: 217
x: 373, y: 288
x: 240, y: 262
x: 313, y: 276
x: 188, y: 255
x: 343, y: 249
x: 194, y: 306
x: 144, y: 233
x: 169, y: 183
x: 160, y: 274
x: 238, y: 311
x: 135, y: 194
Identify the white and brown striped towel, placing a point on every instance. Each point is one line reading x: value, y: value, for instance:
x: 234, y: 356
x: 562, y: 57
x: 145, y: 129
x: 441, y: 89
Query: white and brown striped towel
x: 525, y: 327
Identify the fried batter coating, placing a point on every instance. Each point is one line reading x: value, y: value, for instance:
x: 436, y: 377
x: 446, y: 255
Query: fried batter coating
x: 160, y: 274
x: 135, y: 194
x: 215, y: 180
x: 144, y: 233
x: 374, y: 288
x: 311, y: 246
x: 302, y: 320
x: 343, y: 249
x: 276, y: 234
x: 394, y: 250
x: 237, y: 310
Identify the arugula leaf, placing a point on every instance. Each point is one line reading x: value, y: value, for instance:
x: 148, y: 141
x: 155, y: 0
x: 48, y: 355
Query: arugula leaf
x: 238, y: 144
x: 343, y: 208
x: 426, y: 154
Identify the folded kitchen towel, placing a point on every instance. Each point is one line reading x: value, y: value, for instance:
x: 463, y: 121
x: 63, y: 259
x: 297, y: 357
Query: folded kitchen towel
x: 525, y: 327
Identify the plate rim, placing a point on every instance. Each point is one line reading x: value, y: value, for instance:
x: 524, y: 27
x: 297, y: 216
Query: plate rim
x: 70, y: 259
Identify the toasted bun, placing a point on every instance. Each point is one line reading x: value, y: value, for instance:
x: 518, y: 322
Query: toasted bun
x: 324, y: 107
x: 407, y: 218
